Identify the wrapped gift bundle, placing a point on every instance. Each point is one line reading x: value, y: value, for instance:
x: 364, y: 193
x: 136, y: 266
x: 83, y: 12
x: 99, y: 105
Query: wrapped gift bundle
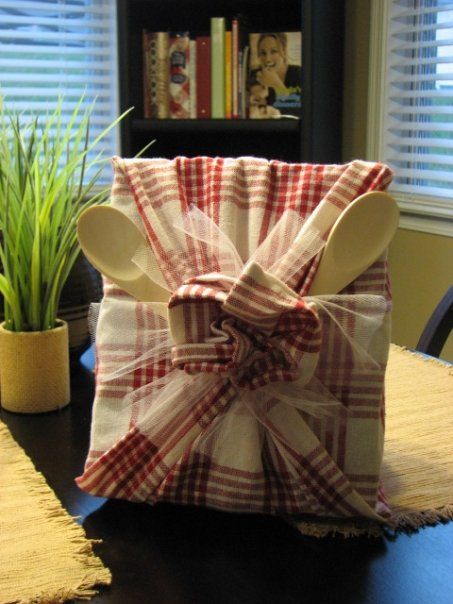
x: 237, y: 389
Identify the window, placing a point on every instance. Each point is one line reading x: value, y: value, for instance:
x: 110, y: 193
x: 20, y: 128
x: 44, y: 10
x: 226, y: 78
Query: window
x: 52, y: 48
x: 411, y: 107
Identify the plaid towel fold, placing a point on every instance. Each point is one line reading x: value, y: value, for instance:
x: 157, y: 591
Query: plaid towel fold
x: 253, y: 396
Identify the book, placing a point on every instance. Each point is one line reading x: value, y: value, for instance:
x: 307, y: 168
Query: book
x: 203, y: 68
x: 179, y: 88
x: 217, y: 67
x: 228, y: 73
x: 147, y: 79
x: 274, y: 81
x: 243, y: 75
x: 235, y: 48
x: 155, y: 74
x: 193, y: 78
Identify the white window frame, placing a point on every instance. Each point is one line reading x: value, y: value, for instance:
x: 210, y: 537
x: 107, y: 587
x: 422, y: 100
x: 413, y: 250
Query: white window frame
x: 418, y: 212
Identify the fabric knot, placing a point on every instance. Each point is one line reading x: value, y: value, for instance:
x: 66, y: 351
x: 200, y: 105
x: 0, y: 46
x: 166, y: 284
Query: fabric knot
x: 253, y: 329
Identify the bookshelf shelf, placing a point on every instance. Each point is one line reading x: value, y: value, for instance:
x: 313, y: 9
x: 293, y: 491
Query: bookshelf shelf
x: 315, y: 137
x: 217, y: 125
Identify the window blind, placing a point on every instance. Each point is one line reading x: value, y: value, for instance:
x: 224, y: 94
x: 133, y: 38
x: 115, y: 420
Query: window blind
x: 53, y: 48
x: 418, y: 138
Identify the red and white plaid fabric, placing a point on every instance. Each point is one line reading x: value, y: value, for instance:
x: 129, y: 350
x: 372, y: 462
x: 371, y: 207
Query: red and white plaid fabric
x: 253, y: 395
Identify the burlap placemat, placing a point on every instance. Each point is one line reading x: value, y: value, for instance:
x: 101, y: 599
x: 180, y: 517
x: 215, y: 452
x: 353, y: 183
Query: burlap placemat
x: 417, y: 471
x: 44, y: 555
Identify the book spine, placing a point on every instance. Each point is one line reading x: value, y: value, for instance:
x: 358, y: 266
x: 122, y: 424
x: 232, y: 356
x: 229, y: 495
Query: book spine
x: 240, y: 92
x: 162, y: 74
x: 243, y: 83
x: 193, y: 78
x: 218, y: 67
x: 203, y: 77
x: 235, y: 68
x: 153, y: 76
x: 179, y: 77
x: 146, y: 81
x: 228, y: 72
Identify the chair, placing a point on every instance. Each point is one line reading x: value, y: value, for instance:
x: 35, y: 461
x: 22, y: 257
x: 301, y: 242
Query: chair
x: 438, y: 327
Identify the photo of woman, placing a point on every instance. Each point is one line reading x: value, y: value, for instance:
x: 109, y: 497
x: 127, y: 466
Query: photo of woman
x: 275, y: 63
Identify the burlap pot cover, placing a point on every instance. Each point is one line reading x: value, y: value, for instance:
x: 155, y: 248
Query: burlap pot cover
x: 34, y: 369
x: 250, y: 394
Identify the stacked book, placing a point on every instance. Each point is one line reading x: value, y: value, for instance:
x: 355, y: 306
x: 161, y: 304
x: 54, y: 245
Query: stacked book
x: 218, y: 76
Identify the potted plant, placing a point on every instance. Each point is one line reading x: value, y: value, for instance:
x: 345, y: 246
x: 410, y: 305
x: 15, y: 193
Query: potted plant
x: 47, y: 178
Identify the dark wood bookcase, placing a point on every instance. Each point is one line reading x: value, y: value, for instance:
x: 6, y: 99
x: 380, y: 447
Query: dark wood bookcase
x: 316, y: 137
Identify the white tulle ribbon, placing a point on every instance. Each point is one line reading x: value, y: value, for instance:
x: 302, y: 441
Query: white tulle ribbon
x: 291, y: 244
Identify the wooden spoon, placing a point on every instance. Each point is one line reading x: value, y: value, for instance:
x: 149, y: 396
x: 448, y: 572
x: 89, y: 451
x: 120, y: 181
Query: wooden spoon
x: 109, y: 239
x: 357, y: 239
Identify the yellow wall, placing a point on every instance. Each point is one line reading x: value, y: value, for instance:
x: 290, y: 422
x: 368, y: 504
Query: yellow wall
x: 421, y: 269
x: 421, y: 264
x: 355, y: 83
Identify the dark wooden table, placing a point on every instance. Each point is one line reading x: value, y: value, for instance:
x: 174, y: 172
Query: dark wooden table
x: 169, y: 554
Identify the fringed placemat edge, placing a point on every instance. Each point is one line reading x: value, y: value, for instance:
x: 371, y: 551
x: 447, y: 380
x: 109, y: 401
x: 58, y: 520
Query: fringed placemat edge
x: 423, y: 357
x: 402, y: 522
x: 95, y: 573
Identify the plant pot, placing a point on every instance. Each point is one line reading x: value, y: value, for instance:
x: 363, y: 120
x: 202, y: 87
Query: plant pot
x: 84, y: 286
x: 34, y: 369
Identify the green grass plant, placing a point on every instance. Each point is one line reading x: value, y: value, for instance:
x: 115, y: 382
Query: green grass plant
x: 49, y: 167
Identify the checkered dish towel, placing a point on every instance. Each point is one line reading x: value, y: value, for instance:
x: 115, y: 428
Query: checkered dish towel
x: 243, y: 393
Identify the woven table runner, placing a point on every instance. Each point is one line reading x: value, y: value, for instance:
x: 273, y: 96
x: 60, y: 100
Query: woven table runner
x: 44, y: 555
x: 417, y: 470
